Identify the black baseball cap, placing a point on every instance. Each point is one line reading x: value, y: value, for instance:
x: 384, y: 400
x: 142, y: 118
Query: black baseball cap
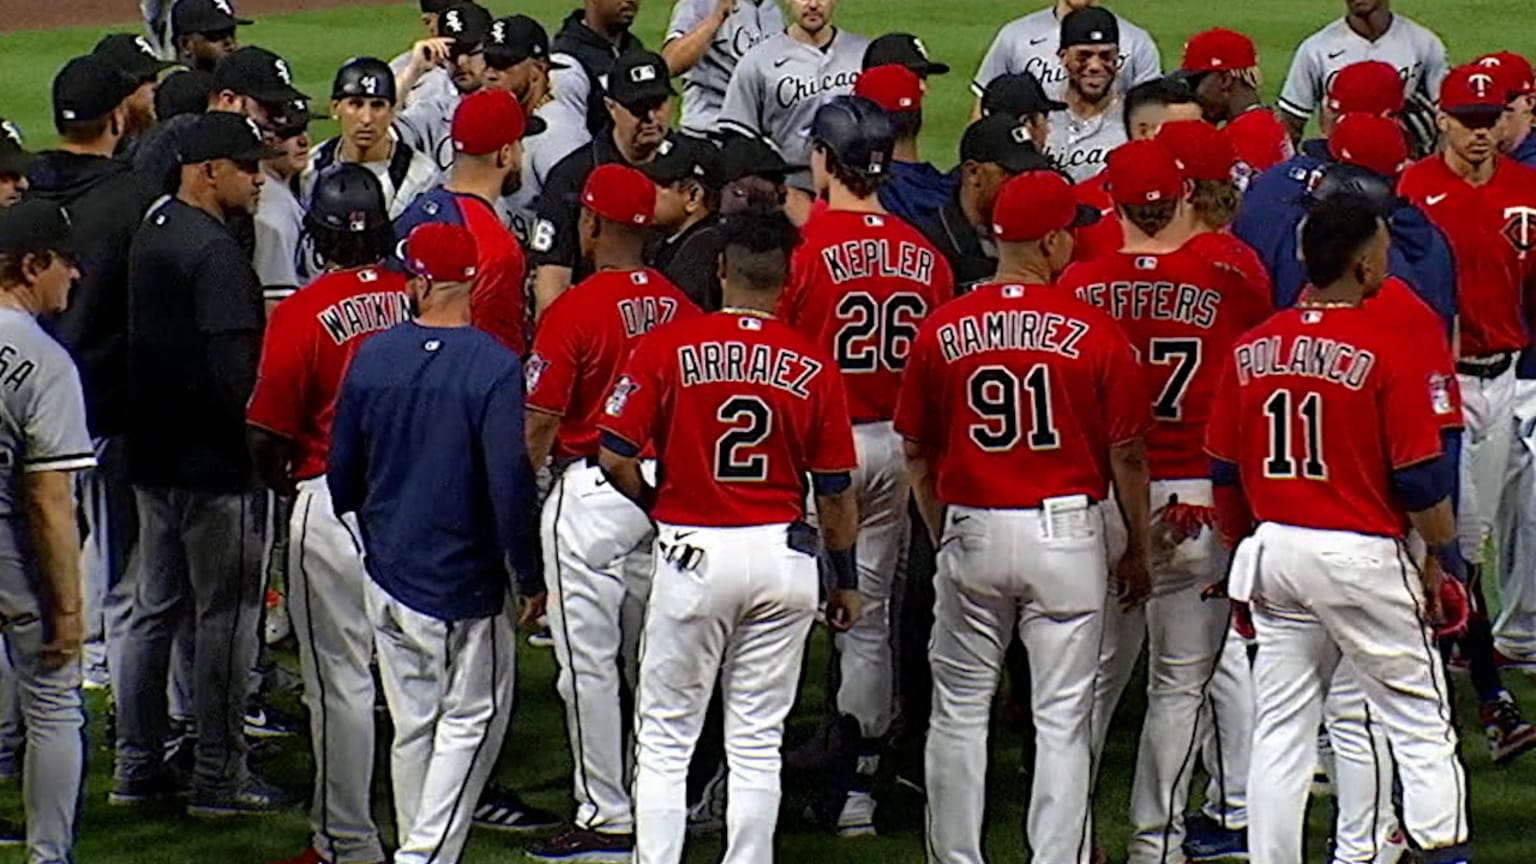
x: 36, y: 224
x: 89, y: 87
x: 14, y: 156
x: 183, y: 92
x: 1090, y: 25
x: 133, y: 54
x: 637, y: 77
x: 684, y: 157
x: 902, y: 49
x: 744, y: 156
x: 1002, y: 140
x: 257, y: 73
x: 1017, y: 94
x: 221, y: 135
x: 467, y: 24
x: 434, y: 7
x: 204, y: 16
x: 517, y: 38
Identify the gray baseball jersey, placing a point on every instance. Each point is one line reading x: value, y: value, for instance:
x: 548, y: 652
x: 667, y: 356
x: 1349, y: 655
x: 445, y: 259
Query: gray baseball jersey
x: 436, y: 83
x: 1032, y: 43
x: 42, y: 409
x: 779, y: 84
x: 565, y: 130
x: 279, y: 222
x: 751, y: 22
x: 1081, y: 146
x: 427, y: 125
x: 1416, y: 53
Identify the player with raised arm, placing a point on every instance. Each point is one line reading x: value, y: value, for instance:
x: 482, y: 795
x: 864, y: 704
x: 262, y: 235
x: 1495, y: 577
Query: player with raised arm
x: 739, y: 408
x: 861, y: 284
x: 1021, y: 407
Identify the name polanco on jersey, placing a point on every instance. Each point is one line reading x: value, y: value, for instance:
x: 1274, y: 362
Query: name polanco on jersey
x: 355, y: 316
x: 1309, y: 357
x: 793, y: 89
x: 865, y: 259
x: 732, y: 361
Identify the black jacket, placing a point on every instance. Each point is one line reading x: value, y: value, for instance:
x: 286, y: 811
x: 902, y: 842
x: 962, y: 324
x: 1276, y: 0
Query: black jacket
x: 972, y: 259
x: 105, y: 204
x: 596, y: 55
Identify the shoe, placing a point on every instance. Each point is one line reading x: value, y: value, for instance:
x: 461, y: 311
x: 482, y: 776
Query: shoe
x: 580, y: 846
x: 1205, y: 839
x: 1508, y: 733
x: 157, y: 787
x: 309, y: 856
x: 96, y: 678
x: 1394, y: 850
x: 12, y: 833
x: 857, y: 818
x: 259, y: 724
x: 502, y: 810
x: 277, y: 623
x: 541, y: 639
x: 708, y: 815
x: 254, y: 797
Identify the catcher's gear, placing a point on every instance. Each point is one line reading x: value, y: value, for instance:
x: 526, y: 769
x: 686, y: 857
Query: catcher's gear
x: 1418, y: 119
x: 364, y: 76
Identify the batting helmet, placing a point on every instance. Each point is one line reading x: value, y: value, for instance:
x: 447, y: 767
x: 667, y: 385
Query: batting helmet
x: 1342, y: 179
x: 857, y: 132
x: 349, y: 199
x: 364, y: 76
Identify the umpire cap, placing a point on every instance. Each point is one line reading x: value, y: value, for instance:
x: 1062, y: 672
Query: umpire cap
x: 857, y: 132
x: 348, y: 198
x: 364, y: 76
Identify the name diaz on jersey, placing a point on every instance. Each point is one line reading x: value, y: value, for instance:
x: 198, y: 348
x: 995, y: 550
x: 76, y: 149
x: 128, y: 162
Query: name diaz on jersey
x: 365, y: 313
x: 780, y: 368
x: 644, y: 314
x: 873, y: 258
x: 790, y: 90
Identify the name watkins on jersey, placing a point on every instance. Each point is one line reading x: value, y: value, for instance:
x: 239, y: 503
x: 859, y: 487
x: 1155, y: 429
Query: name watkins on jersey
x: 792, y: 89
x: 866, y: 259
x: 364, y: 313
x: 1309, y: 357
x: 713, y: 362
x: 1012, y: 330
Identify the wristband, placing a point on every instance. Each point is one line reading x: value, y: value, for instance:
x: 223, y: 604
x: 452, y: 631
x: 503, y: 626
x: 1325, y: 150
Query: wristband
x: 844, y: 571
x: 1449, y: 556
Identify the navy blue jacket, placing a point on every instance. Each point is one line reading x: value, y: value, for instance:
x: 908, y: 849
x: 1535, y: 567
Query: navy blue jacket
x: 916, y: 191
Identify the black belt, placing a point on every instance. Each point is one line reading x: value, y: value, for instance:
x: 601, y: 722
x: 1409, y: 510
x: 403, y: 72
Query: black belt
x: 1485, y: 367
x: 588, y: 461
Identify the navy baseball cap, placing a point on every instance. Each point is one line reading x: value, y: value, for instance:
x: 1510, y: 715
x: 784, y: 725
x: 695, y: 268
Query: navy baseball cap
x: 133, y: 54
x: 204, y: 16
x: 35, y: 225
x: 89, y: 87
x: 745, y: 156
x: 14, y: 157
x: 1001, y: 140
x: 221, y: 135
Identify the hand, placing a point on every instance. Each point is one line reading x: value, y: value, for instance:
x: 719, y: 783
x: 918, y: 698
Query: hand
x: 1454, y: 610
x: 1431, y: 577
x: 63, y: 635
x: 1135, y: 581
x: 532, y: 609
x: 430, y: 52
x: 843, y: 606
x: 1214, y: 591
x: 723, y: 9
x: 1242, y: 620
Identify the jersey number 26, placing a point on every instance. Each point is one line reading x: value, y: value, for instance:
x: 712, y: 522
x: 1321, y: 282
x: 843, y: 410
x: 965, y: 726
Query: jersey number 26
x: 872, y: 334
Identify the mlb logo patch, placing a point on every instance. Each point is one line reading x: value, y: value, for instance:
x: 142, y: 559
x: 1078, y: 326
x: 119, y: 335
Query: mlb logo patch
x: 1146, y: 262
x: 750, y: 324
x: 642, y: 74
x: 1312, y: 317
x: 620, y: 396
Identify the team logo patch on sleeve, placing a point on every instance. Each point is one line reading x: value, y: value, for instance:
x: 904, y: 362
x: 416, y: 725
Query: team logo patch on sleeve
x: 1440, y: 394
x: 533, y: 371
x: 620, y: 396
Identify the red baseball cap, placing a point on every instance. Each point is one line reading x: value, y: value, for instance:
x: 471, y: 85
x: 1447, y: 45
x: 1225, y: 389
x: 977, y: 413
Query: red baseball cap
x: 488, y: 120
x: 1372, y: 142
x: 440, y: 251
x: 892, y: 87
x: 1516, y: 71
x: 1143, y: 172
x: 1201, y: 150
x: 1217, y: 49
x: 1034, y: 204
x: 620, y: 193
x: 1370, y: 87
x: 1474, y: 89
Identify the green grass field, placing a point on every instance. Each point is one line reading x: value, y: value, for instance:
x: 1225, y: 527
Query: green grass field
x: 534, y: 760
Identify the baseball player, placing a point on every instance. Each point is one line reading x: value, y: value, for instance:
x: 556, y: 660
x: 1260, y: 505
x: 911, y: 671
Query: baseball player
x: 861, y: 284
x: 138, y: 60
x: 1518, y: 142
x: 687, y: 172
x: 915, y: 188
x: 1032, y: 44
x: 1178, y: 304
x: 427, y: 450
x: 1222, y: 68
x: 1485, y: 203
x: 427, y: 124
x: 279, y: 215
x: 1325, y: 432
x: 596, y: 542
x: 589, y: 42
x: 739, y: 407
x: 1082, y: 135
x: 1369, y: 30
x: 435, y: 83
x: 310, y: 339
x: 203, y: 31
x: 363, y: 101
x: 1020, y: 408
x: 45, y: 441
x: 488, y: 129
x: 778, y: 86
x: 14, y: 161
x: 705, y: 40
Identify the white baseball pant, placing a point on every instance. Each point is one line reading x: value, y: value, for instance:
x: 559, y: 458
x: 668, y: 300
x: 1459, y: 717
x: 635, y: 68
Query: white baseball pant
x: 1319, y: 596
x: 742, y: 614
x: 1514, y: 631
x: 449, y: 689
x: 880, y: 484
x: 597, y: 550
x: 1362, y: 771
x: 1226, y: 748
x: 1001, y: 570
x: 1487, y: 405
x: 327, y: 598
x: 1124, y: 633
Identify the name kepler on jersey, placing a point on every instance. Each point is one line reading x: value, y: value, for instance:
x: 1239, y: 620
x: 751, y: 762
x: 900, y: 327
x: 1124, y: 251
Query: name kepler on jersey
x: 1159, y: 301
x: 1327, y: 359
x: 869, y: 259
x: 366, y: 313
x: 715, y: 362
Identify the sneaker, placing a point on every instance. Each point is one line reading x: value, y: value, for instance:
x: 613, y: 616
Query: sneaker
x: 259, y: 724
x: 503, y: 810
x: 1508, y: 733
x: 254, y: 797
x: 277, y: 623
x: 157, y: 787
x: 1205, y: 839
x: 541, y: 639
x: 708, y: 815
x: 12, y: 833
x: 580, y: 846
x: 857, y: 818
x: 1394, y: 850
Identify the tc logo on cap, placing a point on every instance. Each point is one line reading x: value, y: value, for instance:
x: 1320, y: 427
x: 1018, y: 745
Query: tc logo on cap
x: 9, y: 130
x: 280, y: 66
x: 642, y: 74
x: 455, y: 23
x: 1481, y: 83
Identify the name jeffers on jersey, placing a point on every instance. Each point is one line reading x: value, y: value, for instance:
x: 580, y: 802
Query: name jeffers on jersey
x: 780, y: 368
x: 792, y: 89
x: 1159, y: 301
x: 365, y: 313
x: 865, y: 259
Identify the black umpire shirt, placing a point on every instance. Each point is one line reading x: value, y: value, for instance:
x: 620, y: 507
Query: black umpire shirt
x: 972, y: 257
x: 554, y: 234
x: 596, y: 55
x: 691, y: 260
x: 194, y: 338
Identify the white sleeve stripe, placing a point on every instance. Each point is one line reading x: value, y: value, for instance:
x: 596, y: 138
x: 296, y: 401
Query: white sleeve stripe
x: 72, y: 462
x: 737, y: 126
x: 1292, y: 108
x: 278, y: 293
x: 979, y: 89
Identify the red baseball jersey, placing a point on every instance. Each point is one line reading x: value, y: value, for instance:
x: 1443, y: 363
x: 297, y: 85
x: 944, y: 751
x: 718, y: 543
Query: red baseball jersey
x: 1105, y: 236
x: 1228, y: 252
x: 498, y: 302
x: 1181, y: 311
x: 739, y: 407
x: 583, y: 342
x: 859, y: 286
x: 310, y: 338
x: 1018, y: 392
x: 1259, y: 140
x: 1317, y: 407
x: 1492, y: 232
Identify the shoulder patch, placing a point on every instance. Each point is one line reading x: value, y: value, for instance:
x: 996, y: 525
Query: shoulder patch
x: 533, y: 372
x: 622, y: 390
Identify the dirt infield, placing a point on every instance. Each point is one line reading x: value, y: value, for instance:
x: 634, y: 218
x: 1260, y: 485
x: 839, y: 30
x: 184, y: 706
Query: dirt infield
x: 46, y: 14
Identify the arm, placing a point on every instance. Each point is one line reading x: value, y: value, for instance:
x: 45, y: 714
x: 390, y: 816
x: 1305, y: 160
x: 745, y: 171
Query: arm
x: 741, y: 112
x: 549, y: 282
x: 1145, y: 63
x: 347, y: 470
x: 50, y: 509
x: 1300, y: 93
x: 690, y: 36
x: 838, y: 514
x: 514, y: 493
x: 620, y: 461
x: 539, y: 435
x: 232, y: 357
x: 272, y: 454
x: 920, y: 474
x: 1128, y: 466
x: 425, y: 55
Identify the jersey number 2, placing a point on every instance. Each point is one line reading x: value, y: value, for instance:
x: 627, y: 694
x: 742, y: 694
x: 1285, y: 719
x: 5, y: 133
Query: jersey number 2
x: 1282, y: 461
x: 995, y: 393
x: 750, y: 420
x: 891, y: 325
